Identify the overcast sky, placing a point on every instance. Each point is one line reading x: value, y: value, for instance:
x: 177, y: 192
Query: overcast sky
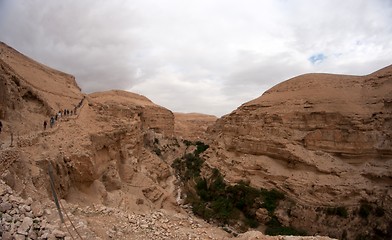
x: 207, y: 56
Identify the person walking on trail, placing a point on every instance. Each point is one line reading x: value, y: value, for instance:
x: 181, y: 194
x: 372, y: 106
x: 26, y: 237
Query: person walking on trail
x: 45, y: 124
x: 1, y: 126
x: 51, y: 122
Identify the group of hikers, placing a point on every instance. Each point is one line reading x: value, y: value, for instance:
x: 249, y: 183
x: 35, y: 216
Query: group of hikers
x: 59, y: 114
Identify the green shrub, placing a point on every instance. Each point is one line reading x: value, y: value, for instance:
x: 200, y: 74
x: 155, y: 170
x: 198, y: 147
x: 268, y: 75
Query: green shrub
x: 188, y: 166
x: 341, y: 212
x: 213, y: 198
x: 271, y: 199
x: 379, y: 211
x: 274, y: 228
x: 365, y: 210
x: 223, y: 209
x: 252, y: 222
x: 338, y: 211
x: 244, y: 197
x: 200, y: 148
x: 187, y: 143
x: 193, y: 164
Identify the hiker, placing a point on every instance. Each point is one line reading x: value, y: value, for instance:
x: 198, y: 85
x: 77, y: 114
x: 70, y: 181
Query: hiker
x: 1, y: 126
x: 45, y: 124
x: 52, y: 121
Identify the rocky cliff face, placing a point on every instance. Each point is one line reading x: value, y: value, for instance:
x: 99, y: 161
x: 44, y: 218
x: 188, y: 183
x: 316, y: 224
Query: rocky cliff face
x: 324, y: 140
x: 113, y: 151
x: 31, y: 91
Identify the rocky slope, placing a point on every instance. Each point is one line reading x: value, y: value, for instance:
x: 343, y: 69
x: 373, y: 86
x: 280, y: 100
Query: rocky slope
x: 324, y: 140
x: 29, y: 219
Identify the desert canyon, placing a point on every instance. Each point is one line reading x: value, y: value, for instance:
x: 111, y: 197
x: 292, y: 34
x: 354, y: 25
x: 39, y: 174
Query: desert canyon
x: 311, y: 156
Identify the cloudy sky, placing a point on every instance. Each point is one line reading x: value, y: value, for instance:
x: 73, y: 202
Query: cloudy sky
x: 207, y: 56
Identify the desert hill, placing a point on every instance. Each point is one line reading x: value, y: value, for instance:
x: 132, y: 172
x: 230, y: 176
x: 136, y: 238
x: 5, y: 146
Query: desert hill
x: 118, y: 159
x: 192, y: 126
x: 324, y: 140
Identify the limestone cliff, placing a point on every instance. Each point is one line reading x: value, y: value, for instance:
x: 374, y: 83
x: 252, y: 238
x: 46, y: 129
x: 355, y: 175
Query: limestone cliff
x: 323, y: 139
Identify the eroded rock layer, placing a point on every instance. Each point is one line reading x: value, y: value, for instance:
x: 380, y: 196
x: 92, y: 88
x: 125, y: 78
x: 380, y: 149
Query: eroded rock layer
x: 323, y: 139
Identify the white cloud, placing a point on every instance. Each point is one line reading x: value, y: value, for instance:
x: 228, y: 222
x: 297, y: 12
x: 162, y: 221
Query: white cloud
x: 199, y: 56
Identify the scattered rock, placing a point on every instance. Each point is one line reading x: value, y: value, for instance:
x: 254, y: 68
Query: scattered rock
x: 21, y: 221
x: 58, y: 234
x: 25, y: 226
x: 37, y: 209
x: 5, y: 206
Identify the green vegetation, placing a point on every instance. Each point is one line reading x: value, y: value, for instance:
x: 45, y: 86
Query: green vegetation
x: 379, y: 212
x: 339, y: 211
x: 200, y: 148
x: 365, y: 210
x: 188, y: 166
x: 213, y: 199
x: 271, y: 199
x: 187, y: 143
x: 225, y: 203
x: 274, y: 228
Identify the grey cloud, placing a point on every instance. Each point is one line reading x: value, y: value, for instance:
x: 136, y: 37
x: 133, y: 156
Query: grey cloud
x: 90, y: 39
x: 198, y: 56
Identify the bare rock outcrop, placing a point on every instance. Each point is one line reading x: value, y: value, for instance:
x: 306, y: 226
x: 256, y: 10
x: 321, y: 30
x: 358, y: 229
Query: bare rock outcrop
x: 323, y: 139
